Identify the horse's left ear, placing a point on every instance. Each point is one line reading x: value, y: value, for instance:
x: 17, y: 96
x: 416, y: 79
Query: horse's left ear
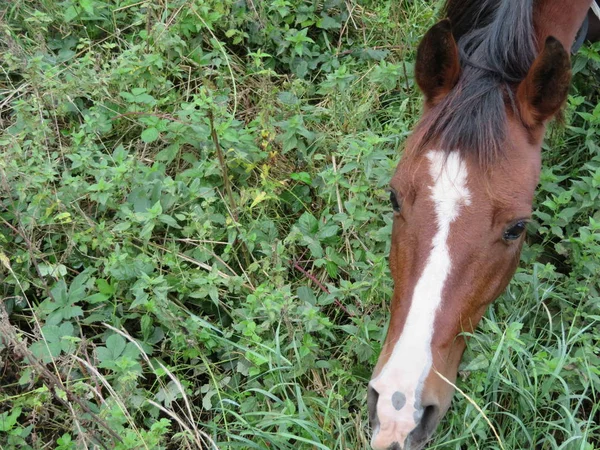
x: 437, y: 67
x: 544, y: 90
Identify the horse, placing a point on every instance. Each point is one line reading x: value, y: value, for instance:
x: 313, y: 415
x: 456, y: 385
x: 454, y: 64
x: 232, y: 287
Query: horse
x: 492, y: 73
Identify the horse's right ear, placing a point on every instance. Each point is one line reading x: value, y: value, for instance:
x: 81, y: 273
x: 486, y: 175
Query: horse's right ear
x: 545, y: 88
x: 438, y: 67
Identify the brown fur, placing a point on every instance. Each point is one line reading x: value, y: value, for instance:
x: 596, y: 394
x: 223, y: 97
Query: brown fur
x: 559, y: 18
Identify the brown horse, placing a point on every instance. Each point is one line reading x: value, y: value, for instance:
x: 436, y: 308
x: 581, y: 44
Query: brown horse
x: 493, y: 73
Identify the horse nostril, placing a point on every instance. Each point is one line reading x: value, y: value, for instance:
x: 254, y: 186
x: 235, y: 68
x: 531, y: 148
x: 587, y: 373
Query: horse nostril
x: 372, y: 398
x: 426, y: 425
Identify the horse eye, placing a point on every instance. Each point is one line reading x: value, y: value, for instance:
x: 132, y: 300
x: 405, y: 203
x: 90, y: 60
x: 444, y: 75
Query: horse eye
x: 394, y: 201
x: 514, y: 231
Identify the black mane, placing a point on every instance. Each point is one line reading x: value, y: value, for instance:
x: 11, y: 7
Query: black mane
x: 497, y: 47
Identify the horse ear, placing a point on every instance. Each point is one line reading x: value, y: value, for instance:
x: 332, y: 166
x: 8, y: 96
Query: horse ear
x: 437, y: 67
x: 543, y: 91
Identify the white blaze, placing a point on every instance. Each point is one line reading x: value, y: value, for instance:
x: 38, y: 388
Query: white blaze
x: 410, y: 362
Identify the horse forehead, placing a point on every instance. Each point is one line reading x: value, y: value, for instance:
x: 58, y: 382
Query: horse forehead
x: 510, y: 180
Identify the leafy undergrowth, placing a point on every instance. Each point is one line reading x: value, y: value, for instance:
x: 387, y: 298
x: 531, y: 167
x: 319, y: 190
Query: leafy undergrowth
x: 194, y: 233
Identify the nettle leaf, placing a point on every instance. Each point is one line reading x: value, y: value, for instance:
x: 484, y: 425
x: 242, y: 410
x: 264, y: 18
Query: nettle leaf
x: 58, y: 270
x: 328, y: 231
x: 87, y: 6
x: 59, y: 292
x: 70, y: 13
x: 332, y: 269
x: 147, y: 231
x: 371, y: 53
x: 168, y: 154
x: 78, y: 288
x: 288, y: 98
x: 123, y: 226
x: 156, y: 209
x: 166, y: 219
x: 352, y: 330
x: 304, y: 177
x: 145, y: 98
x: 127, y: 96
x: 140, y: 199
x: 9, y: 419
x: 313, y: 245
x: 308, y: 223
x: 328, y: 23
x: 306, y: 294
x: 150, y: 135
x: 290, y: 142
x: 105, y: 288
x: 300, y: 67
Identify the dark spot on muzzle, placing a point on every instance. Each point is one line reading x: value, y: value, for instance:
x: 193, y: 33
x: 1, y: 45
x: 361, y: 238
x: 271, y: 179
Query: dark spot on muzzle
x: 398, y: 400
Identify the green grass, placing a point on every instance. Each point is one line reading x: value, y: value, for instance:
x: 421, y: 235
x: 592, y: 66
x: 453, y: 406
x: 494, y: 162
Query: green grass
x: 157, y: 296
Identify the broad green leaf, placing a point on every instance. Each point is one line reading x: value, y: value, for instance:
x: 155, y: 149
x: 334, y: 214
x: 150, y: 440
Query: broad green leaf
x: 115, y: 344
x: 123, y: 226
x: 104, y: 287
x: 328, y: 23
x: 288, y: 98
x: 59, y: 292
x: 150, y: 135
x: 306, y: 294
x: 168, y: 154
x: 45, y: 351
x: 166, y: 219
x: 87, y: 5
x: 308, y: 223
x: 8, y: 419
x: 304, y: 177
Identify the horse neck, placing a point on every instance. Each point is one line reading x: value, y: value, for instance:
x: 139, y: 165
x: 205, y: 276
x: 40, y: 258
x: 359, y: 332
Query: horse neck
x: 559, y: 18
